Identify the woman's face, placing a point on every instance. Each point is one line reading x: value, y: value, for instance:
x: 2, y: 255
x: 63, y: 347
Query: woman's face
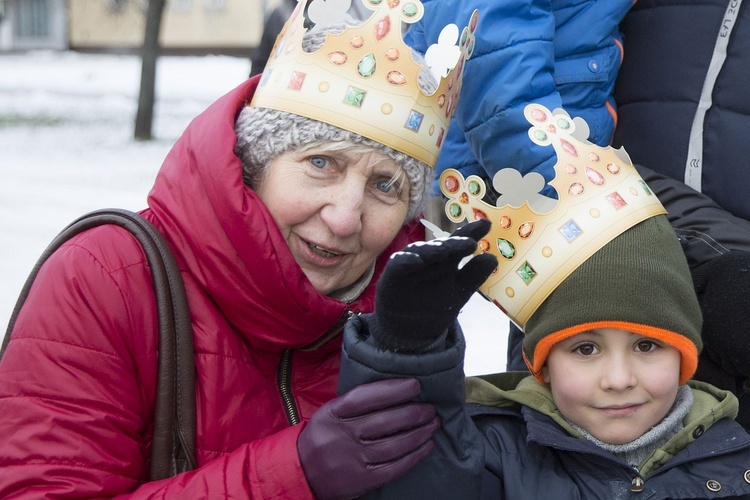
x: 337, y: 210
x: 615, y: 384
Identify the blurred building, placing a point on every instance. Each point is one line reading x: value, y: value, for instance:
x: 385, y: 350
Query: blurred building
x: 189, y: 26
x: 33, y: 24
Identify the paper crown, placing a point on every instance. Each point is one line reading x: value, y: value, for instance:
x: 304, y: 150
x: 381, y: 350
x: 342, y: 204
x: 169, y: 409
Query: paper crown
x: 600, y: 195
x: 364, y: 79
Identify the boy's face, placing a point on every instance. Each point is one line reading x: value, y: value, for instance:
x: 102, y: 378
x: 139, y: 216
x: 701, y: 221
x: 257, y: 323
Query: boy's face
x: 615, y: 384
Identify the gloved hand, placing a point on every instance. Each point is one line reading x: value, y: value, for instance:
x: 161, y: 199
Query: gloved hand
x: 365, y: 438
x: 422, y: 289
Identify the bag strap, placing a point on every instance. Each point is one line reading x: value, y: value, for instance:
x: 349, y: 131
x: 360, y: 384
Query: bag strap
x: 173, y: 445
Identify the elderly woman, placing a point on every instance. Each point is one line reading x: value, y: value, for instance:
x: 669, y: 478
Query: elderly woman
x: 281, y: 225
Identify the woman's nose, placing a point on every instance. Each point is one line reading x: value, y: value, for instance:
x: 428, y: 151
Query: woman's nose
x: 342, y: 212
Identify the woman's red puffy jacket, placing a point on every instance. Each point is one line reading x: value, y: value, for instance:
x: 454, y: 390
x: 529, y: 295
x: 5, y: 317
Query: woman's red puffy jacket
x: 78, y: 380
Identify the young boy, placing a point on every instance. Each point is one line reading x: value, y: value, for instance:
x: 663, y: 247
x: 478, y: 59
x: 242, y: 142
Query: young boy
x: 607, y: 411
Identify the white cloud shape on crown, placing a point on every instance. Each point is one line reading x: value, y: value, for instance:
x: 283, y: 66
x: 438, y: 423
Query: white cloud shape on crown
x: 441, y: 57
x: 327, y: 12
x: 515, y: 189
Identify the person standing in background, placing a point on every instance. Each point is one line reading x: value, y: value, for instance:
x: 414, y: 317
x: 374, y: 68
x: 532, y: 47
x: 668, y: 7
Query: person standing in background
x: 273, y: 26
x: 684, y: 109
x: 271, y: 29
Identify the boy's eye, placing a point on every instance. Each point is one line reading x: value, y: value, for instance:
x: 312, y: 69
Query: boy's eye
x: 646, y: 346
x: 586, y: 349
x: 318, y: 161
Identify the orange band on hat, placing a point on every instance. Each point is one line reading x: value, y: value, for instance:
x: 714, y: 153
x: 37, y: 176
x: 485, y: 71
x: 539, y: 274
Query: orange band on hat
x: 688, y: 350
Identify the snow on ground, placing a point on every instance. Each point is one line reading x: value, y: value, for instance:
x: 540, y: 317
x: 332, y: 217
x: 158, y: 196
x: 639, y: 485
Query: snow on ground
x: 66, y: 148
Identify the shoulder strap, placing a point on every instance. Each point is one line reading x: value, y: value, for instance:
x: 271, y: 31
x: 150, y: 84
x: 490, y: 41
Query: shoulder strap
x: 173, y: 446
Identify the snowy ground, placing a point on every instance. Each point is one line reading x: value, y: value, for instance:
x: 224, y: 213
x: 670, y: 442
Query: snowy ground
x: 66, y: 147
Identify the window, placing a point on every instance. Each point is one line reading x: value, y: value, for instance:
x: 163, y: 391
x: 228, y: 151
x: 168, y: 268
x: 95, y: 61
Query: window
x: 117, y: 5
x: 215, y: 4
x: 33, y: 19
x: 182, y: 5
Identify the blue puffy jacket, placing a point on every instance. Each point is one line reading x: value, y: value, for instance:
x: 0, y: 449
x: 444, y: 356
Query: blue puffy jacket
x: 559, y: 53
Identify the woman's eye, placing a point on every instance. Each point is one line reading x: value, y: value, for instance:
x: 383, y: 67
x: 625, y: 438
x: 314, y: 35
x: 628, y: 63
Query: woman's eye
x: 386, y: 186
x: 586, y: 349
x: 318, y: 161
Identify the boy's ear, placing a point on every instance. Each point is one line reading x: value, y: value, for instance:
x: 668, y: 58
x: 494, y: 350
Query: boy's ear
x: 545, y: 374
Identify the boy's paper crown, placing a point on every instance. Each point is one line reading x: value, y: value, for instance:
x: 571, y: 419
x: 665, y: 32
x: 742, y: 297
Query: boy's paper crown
x: 600, y: 196
x: 364, y: 79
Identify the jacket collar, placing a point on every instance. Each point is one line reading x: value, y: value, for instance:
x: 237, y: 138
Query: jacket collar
x: 712, y: 412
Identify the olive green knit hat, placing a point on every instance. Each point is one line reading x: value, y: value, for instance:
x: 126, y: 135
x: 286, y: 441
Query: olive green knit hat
x: 638, y: 282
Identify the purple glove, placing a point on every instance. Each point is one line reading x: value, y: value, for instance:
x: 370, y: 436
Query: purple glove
x: 365, y: 438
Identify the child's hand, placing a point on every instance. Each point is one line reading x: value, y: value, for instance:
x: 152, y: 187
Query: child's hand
x: 422, y: 289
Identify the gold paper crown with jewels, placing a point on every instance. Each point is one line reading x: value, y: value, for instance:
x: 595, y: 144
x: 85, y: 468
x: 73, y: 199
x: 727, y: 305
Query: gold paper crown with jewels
x: 365, y: 80
x: 600, y: 195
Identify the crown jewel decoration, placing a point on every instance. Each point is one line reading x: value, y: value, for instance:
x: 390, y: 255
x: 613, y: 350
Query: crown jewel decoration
x: 600, y: 193
x: 365, y: 79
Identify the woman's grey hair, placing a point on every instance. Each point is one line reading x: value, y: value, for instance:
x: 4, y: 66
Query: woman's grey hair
x: 263, y: 134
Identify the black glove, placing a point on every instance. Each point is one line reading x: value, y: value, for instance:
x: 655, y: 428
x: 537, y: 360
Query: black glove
x: 422, y: 290
x: 366, y: 438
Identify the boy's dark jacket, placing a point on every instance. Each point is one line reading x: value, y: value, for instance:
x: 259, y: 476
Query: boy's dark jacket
x: 505, y: 449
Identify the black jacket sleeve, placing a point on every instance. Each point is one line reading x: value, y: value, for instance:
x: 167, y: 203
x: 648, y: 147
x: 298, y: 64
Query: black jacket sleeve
x: 706, y: 230
x: 454, y: 468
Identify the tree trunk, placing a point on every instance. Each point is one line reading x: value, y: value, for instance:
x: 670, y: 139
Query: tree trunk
x: 145, y: 115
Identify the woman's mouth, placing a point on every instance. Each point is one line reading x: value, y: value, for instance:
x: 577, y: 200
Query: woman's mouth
x: 322, y: 252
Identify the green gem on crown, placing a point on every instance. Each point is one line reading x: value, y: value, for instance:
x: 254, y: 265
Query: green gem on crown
x: 410, y: 10
x: 354, y: 97
x: 506, y: 249
x: 366, y: 66
x: 526, y: 272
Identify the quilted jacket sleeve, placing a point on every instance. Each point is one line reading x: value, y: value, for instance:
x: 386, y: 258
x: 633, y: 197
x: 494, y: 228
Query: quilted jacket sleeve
x: 512, y: 65
x: 261, y: 469
x: 77, y: 391
x: 588, y: 55
x: 558, y: 53
x: 454, y: 468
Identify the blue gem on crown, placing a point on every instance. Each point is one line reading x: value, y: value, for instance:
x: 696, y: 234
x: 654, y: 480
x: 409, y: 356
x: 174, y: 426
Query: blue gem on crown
x: 570, y: 230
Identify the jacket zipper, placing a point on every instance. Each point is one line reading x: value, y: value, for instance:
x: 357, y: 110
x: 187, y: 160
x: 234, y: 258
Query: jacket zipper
x: 284, y: 372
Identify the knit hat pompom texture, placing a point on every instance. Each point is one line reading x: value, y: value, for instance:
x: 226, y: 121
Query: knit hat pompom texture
x: 263, y: 134
x: 638, y: 282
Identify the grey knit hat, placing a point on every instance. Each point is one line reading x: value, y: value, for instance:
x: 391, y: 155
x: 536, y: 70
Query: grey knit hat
x: 263, y: 134
x: 639, y: 282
